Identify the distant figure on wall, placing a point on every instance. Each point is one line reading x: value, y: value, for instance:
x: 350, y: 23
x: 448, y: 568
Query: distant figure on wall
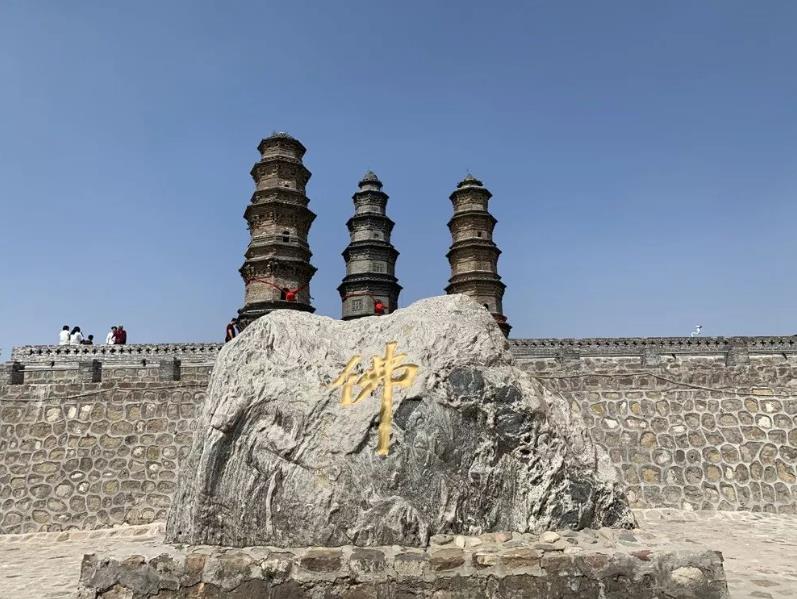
x: 75, y: 337
x: 121, y: 336
x: 379, y: 308
x: 63, y: 336
x: 697, y: 331
x: 88, y: 341
x: 231, y: 332
x: 110, y: 338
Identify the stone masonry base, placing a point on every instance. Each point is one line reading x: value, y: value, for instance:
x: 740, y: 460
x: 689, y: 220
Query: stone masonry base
x: 602, y: 564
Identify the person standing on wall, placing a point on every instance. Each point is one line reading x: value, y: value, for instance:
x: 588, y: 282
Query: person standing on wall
x: 121, y: 336
x: 231, y: 332
x: 110, y: 338
x: 63, y: 336
x: 75, y: 337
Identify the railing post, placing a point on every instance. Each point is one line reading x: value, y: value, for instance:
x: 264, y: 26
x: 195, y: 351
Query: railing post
x: 169, y: 370
x: 651, y: 357
x: 569, y: 357
x: 15, y: 373
x: 737, y: 354
x: 89, y: 371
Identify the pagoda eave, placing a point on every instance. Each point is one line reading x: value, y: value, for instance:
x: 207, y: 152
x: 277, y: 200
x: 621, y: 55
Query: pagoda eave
x: 472, y: 213
x: 371, y: 216
x: 462, y: 190
x: 488, y: 246
x: 280, y: 159
x: 392, y: 253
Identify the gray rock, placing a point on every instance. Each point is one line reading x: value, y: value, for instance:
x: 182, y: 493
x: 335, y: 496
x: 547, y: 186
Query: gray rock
x: 447, y: 559
x: 549, y: 537
x: 476, y: 445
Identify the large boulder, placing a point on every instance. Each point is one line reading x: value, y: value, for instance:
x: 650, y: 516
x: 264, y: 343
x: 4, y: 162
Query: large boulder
x: 281, y: 458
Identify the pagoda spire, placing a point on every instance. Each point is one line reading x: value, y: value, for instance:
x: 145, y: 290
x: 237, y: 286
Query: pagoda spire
x: 473, y: 255
x: 370, y: 280
x: 277, y: 269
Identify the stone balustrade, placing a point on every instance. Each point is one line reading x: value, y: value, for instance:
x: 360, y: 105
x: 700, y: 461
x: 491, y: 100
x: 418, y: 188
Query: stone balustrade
x: 62, y: 363
x: 651, y: 350
x: 29, y: 355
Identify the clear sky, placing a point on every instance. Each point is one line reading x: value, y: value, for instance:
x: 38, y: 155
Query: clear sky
x: 642, y: 156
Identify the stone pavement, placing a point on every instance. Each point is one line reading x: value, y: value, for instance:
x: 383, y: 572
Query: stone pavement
x: 760, y: 551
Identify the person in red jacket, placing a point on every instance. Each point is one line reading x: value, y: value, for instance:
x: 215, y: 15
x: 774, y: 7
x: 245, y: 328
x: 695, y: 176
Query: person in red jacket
x: 379, y: 308
x: 120, y: 337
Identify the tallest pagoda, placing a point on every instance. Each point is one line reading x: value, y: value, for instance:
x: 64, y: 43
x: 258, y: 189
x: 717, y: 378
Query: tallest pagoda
x: 277, y: 269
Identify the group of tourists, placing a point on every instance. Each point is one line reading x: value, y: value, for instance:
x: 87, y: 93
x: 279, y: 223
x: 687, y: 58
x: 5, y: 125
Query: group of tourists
x: 73, y: 337
x: 116, y: 336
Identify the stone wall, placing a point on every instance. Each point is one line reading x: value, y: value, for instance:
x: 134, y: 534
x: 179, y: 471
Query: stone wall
x: 604, y: 564
x: 92, y: 436
x: 83, y: 446
x: 690, y: 423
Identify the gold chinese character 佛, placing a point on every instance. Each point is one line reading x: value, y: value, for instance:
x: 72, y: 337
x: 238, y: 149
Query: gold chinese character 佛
x: 387, y: 370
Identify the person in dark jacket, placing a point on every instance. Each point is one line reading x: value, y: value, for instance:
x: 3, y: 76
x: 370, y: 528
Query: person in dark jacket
x: 232, y: 330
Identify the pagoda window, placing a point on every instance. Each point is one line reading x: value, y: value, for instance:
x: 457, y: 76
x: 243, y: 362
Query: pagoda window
x: 357, y: 304
x: 286, y: 236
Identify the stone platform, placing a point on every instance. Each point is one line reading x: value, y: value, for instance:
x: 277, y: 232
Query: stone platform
x: 758, y: 549
x: 602, y: 564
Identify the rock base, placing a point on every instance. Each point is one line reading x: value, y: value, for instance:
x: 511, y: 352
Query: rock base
x: 601, y: 564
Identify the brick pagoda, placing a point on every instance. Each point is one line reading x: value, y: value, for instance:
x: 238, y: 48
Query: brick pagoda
x: 473, y: 254
x: 370, y: 285
x: 277, y: 269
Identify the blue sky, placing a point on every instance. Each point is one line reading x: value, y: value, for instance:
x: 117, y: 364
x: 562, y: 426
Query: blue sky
x: 642, y: 156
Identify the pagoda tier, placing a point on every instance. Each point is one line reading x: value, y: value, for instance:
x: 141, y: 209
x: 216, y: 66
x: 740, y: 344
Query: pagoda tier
x: 277, y: 269
x: 473, y: 255
x: 370, y: 257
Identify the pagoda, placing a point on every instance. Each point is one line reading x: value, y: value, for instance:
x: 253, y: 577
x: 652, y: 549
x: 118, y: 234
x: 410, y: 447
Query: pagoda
x: 473, y: 255
x: 277, y: 269
x: 370, y: 286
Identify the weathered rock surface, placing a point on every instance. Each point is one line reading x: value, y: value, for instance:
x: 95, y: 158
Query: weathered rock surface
x: 476, y: 444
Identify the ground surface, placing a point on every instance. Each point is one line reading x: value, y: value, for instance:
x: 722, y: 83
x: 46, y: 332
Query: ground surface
x: 760, y: 551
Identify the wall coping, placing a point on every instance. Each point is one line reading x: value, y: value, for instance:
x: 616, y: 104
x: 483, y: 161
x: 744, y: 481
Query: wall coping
x: 185, y: 352
x: 636, y: 346
x: 191, y: 353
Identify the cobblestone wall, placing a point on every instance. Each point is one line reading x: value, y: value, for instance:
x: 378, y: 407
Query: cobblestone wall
x: 89, y: 455
x: 691, y: 432
x: 90, y: 438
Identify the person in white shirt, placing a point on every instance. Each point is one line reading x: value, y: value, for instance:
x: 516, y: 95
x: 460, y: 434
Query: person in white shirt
x: 63, y: 336
x: 76, y: 337
x: 110, y: 338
